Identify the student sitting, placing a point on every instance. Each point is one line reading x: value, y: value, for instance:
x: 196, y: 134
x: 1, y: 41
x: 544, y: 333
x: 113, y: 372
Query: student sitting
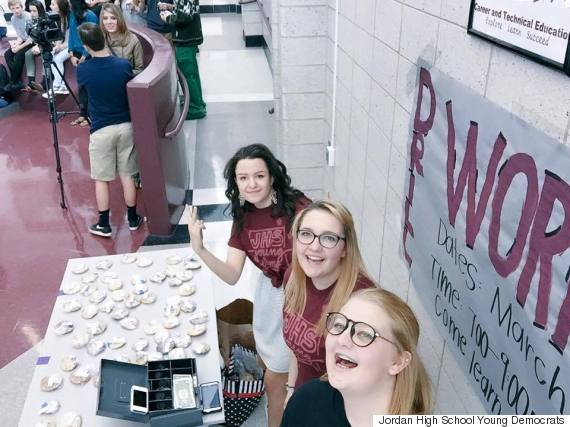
x: 77, y: 54
x: 38, y: 12
x: 59, y: 52
x: 15, y: 56
x: 3, y: 24
x: 372, y: 366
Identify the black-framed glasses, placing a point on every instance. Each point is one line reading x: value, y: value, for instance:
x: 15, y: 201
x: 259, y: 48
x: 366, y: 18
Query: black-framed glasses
x: 326, y: 240
x: 361, y: 334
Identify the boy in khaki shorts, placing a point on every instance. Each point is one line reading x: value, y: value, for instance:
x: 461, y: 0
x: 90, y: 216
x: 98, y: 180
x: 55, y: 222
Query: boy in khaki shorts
x: 111, y: 149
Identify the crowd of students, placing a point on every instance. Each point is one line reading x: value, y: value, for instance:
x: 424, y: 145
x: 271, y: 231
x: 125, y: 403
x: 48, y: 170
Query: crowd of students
x: 337, y: 348
x: 111, y: 151
x: 178, y: 20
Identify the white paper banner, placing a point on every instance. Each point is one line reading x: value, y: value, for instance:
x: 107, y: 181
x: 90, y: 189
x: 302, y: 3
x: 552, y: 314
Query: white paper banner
x: 487, y: 232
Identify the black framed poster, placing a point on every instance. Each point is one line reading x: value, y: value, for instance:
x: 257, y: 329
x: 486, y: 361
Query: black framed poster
x: 539, y: 29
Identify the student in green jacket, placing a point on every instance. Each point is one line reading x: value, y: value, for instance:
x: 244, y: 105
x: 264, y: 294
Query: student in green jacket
x: 184, y: 19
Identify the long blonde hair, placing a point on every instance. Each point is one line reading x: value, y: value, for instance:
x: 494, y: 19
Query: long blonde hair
x: 412, y: 390
x: 351, y: 265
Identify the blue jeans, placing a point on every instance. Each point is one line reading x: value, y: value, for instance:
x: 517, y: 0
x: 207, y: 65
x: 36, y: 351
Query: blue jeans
x: 3, y: 31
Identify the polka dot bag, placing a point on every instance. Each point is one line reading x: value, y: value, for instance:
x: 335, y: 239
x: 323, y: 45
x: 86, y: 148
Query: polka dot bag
x: 241, y: 396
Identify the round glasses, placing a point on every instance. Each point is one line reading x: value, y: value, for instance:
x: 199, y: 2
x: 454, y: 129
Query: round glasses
x: 326, y: 240
x: 361, y: 334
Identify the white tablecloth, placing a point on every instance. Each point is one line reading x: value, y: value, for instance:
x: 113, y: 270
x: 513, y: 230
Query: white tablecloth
x: 82, y: 399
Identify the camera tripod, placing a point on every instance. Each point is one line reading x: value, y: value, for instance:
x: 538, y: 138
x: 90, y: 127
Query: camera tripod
x: 54, y: 115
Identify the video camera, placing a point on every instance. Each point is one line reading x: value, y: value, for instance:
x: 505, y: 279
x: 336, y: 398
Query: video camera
x: 44, y: 31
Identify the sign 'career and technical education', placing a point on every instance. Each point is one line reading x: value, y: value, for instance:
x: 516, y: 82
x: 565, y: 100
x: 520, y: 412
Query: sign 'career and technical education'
x: 537, y: 28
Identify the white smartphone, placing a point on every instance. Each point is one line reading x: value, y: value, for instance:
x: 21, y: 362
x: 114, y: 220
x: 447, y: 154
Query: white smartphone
x: 210, y: 394
x: 139, y: 399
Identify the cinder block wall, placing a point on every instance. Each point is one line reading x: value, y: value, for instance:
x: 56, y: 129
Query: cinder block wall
x: 380, y: 44
x: 299, y: 46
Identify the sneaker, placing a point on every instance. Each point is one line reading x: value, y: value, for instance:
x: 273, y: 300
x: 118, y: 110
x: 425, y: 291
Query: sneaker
x: 13, y: 87
x: 61, y: 90
x: 46, y: 96
x: 99, y: 230
x: 134, y: 225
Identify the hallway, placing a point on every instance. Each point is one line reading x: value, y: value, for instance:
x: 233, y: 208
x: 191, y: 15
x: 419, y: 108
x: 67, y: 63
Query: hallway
x: 238, y: 90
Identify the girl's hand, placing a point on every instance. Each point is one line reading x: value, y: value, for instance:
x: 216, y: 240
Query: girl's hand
x: 195, y: 227
x: 36, y: 50
x: 74, y: 60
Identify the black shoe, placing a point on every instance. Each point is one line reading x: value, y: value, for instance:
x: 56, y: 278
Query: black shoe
x: 98, y: 230
x: 13, y: 87
x: 134, y: 225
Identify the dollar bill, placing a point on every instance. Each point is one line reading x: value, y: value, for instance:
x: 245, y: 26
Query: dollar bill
x: 183, y: 392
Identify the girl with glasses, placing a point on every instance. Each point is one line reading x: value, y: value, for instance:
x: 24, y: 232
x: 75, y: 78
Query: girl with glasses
x: 263, y: 204
x: 326, y: 269
x: 372, y: 366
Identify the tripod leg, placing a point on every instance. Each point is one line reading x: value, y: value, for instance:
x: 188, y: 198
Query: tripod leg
x: 60, y: 72
x: 48, y: 76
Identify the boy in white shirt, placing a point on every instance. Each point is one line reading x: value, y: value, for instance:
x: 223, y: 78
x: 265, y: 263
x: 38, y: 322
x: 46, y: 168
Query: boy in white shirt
x: 15, y: 56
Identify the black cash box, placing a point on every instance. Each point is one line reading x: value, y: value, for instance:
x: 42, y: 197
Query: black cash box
x: 116, y: 381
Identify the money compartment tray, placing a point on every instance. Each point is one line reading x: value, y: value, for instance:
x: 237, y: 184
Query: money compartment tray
x: 115, y: 385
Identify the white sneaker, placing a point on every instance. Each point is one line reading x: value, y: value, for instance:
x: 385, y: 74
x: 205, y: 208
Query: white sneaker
x: 61, y: 90
x: 45, y: 94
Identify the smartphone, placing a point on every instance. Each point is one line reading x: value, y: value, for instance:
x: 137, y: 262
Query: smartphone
x: 139, y: 399
x: 210, y: 395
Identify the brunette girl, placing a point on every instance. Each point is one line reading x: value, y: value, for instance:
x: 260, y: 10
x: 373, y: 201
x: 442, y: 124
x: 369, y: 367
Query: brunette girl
x: 263, y: 204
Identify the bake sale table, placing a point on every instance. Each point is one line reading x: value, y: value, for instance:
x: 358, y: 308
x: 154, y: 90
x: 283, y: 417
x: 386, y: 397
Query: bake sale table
x: 166, y: 291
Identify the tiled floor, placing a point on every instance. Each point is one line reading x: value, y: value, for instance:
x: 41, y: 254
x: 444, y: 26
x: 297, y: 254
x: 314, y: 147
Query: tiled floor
x: 38, y: 237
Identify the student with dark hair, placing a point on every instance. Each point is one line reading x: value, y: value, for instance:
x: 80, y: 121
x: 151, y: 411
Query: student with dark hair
x: 38, y: 12
x: 186, y: 26
x: 111, y: 151
x: 80, y: 13
x: 60, y: 53
x: 15, y: 56
x: 263, y: 204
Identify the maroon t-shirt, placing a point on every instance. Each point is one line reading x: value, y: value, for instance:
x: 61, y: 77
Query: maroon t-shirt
x: 266, y: 240
x: 300, y: 331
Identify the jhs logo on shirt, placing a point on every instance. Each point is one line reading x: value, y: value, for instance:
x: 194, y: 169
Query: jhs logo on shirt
x: 267, y: 238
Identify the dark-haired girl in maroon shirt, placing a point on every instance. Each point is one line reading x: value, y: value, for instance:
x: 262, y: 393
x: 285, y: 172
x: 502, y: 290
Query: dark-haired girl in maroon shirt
x: 263, y: 204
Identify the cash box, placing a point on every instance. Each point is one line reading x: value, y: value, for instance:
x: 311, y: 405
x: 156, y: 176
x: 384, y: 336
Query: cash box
x: 116, y: 381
